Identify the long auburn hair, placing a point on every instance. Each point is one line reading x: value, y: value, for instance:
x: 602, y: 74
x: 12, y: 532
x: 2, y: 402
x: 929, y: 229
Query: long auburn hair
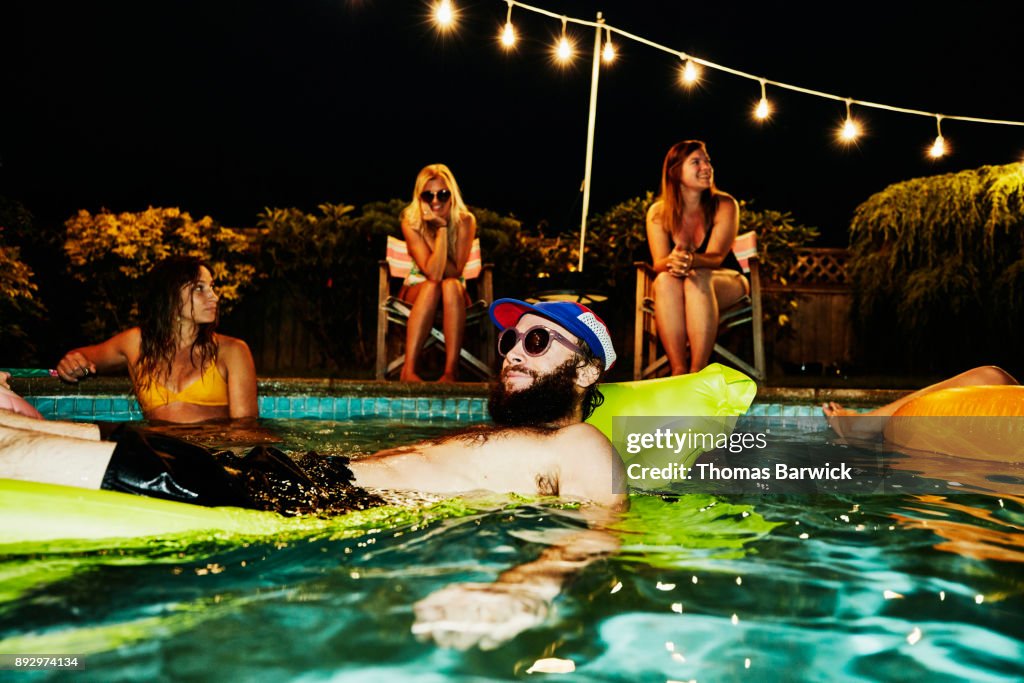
x: 672, y: 195
x: 161, y: 305
x: 413, y: 213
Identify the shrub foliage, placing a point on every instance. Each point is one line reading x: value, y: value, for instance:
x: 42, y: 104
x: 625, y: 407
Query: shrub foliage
x: 19, y: 292
x: 938, y: 269
x: 110, y: 253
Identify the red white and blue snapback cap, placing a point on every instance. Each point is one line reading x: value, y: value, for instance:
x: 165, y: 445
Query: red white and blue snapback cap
x: 576, y: 318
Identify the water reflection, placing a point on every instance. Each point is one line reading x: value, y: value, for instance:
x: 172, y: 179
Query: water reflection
x: 970, y: 530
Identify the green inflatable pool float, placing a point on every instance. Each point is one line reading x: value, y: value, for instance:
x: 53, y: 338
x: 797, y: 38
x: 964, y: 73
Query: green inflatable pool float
x: 715, y: 391
x: 46, y: 512
x: 644, y: 419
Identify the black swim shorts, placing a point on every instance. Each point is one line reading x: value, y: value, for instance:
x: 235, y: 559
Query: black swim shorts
x: 149, y: 463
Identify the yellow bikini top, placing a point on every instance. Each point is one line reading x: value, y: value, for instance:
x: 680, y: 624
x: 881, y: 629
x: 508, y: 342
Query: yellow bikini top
x: 209, y: 390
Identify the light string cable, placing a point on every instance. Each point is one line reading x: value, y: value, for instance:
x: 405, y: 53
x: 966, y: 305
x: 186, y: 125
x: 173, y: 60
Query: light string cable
x: 743, y: 74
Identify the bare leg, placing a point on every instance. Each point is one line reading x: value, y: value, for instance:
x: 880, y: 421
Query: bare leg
x: 424, y: 298
x: 707, y: 291
x: 670, y: 317
x: 79, y: 430
x: 52, y: 459
x: 453, y: 293
x: 847, y: 422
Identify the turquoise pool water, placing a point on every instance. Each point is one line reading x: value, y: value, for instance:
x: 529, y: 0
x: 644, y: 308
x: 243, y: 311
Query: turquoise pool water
x: 894, y: 586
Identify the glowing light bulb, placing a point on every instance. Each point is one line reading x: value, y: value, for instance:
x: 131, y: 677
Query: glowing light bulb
x: 763, y: 109
x: 508, y: 35
x: 608, y: 53
x: 444, y: 14
x: 690, y: 74
x: 938, y: 147
x: 564, y: 51
x: 850, y: 130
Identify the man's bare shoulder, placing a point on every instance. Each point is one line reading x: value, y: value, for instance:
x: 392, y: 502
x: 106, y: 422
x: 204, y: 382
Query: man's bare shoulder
x: 589, y: 466
x: 583, y: 435
x: 581, y: 447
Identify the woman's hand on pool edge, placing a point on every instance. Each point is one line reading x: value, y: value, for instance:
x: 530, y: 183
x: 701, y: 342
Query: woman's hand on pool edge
x: 74, y: 366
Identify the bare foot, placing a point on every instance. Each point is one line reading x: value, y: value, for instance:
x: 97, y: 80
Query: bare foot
x: 850, y: 423
x: 832, y: 408
x: 409, y: 376
x: 833, y: 412
x: 448, y: 378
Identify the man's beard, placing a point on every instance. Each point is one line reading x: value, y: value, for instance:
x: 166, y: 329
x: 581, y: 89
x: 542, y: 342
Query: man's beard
x: 550, y: 398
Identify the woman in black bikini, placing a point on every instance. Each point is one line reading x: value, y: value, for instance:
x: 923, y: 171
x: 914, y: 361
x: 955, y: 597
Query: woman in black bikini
x: 690, y: 230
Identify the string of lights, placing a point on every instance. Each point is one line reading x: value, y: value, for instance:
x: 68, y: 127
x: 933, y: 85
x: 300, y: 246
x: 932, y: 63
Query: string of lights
x: 446, y: 17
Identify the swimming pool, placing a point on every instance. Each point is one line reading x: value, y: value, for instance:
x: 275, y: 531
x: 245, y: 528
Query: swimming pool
x: 905, y: 582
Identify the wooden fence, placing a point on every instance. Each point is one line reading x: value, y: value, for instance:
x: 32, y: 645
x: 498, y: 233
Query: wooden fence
x: 821, y: 331
x: 281, y: 344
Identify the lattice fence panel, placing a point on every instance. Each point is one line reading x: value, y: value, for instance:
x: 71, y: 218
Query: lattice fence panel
x: 821, y: 267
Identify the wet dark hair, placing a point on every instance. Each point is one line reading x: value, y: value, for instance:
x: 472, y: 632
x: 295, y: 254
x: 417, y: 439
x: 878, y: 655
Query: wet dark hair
x: 592, y: 396
x: 159, y: 307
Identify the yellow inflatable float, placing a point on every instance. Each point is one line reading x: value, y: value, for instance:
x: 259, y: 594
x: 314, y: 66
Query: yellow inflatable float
x: 715, y: 391
x: 665, y: 424
x: 982, y: 422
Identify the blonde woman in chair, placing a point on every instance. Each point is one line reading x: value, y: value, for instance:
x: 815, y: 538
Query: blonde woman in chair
x: 439, y: 231
x: 690, y: 231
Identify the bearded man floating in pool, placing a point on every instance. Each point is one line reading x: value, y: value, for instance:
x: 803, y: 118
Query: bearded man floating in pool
x: 554, y: 356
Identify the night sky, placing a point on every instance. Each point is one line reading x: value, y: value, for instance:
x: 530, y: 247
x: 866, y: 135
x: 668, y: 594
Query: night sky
x: 223, y: 108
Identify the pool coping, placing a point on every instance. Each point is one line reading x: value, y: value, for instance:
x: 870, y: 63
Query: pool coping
x: 289, y: 386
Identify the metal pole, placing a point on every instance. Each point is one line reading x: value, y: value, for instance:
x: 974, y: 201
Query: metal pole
x: 591, y: 123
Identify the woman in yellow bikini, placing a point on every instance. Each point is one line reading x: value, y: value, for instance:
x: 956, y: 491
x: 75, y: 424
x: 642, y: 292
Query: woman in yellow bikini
x: 182, y: 370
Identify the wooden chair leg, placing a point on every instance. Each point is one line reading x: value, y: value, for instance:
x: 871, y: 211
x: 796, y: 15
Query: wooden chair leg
x: 639, y: 322
x: 380, y: 371
x: 758, y: 321
x: 487, y: 354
